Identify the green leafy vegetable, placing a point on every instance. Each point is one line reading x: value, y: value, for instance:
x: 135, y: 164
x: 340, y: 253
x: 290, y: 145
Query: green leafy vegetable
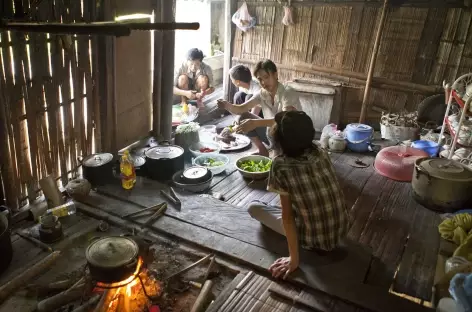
x: 188, y: 128
x: 210, y: 162
x: 255, y: 166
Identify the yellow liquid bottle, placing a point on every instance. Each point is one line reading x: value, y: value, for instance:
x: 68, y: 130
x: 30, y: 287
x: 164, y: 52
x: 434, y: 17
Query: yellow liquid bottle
x: 128, y: 173
x: 185, y: 108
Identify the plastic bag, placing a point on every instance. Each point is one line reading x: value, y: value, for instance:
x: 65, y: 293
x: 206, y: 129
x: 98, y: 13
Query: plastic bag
x: 288, y: 16
x: 327, y: 132
x: 243, y: 19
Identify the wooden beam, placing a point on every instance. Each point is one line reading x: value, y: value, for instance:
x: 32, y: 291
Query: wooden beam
x: 352, y: 77
x: 157, y: 76
x: 230, y: 30
x: 368, y: 3
x: 167, y: 68
x: 373, y: 59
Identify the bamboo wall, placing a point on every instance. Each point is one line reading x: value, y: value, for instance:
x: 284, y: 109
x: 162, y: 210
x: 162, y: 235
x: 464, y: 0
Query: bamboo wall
x: 419, y: 44
x: 48, y: 99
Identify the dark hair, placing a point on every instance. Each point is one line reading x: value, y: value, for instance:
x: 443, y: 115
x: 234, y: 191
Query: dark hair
x: 195, y: 55
x: 293, y: 133
x: 241, y: 72
x: 266, y: 65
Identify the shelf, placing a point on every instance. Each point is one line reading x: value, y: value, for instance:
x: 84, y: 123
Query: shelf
x: 452, y: 132
x: 460, y: 102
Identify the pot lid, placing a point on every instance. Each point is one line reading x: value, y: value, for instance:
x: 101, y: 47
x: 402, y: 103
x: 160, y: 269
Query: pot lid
x: 359, y: 127
x: 139, y: 161
x: 164, y: 152
x: 97, y: 160
x: 112, y: 252
x: 195, y: 172
x: 446, y: 169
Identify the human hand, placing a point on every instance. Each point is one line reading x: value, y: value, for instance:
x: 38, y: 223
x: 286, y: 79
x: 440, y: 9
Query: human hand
x: 282, y: 267
x: 222, y: 104
x: 199, y: 95
x: 245, y: 126
x: 191, y: 95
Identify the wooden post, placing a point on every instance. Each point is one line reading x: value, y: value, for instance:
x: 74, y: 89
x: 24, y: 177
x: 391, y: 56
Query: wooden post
x: 375, y: 51
x: 157, y: 74
x: 230, y: 29
x: 167, y: 69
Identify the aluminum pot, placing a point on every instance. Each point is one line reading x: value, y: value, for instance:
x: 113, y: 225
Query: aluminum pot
x: 6, y: 248
x: 112, y: 259
x: 163, y: 161
x: 98, y: 168
x: 441, y: 184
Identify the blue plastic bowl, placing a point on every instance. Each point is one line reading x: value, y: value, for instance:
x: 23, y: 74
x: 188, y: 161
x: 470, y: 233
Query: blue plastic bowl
x: 430, y: 147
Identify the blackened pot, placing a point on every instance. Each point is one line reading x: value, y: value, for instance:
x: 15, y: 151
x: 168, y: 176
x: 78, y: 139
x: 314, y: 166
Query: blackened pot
x: 112, y: 259
x: 6, y: 248
x: 163, y: 161
x: 98, y: 168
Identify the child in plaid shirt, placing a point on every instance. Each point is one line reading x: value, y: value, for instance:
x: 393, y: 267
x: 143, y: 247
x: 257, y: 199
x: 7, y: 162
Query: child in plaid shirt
x: 313, y: 211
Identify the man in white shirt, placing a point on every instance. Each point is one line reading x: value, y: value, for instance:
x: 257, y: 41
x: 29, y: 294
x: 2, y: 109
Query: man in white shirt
x: 273, y: 98
x: 193, y: 79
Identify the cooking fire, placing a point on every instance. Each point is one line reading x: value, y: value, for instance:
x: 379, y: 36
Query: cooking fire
x: 117, y: 267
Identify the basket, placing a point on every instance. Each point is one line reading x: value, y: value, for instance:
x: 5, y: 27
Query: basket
x: 399, y: 134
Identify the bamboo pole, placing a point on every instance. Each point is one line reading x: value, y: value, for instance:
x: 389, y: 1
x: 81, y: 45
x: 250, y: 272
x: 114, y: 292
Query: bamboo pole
x: 230, y: 30
x: 157, y: 76
x: 373, y: 59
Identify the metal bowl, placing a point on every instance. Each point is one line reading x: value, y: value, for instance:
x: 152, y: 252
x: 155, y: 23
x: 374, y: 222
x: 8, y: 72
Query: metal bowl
x: 253, y: 175
x: 200, y: 187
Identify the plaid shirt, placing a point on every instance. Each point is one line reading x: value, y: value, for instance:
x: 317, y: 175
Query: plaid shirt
x: 321, y: 216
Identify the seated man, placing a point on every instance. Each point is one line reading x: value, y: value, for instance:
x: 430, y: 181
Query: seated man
x: 314, y: 214
x: 273, y: 98
x: 242, y: 78
x: 193, y: 79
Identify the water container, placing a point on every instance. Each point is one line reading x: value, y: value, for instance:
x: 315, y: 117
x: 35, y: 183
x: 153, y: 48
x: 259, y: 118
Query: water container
x: 430, y: 147
x: 398, y: 162
x: 358, y: 137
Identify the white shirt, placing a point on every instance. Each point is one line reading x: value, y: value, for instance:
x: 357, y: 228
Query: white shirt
x: 284, y: 97
x: 254, y: 87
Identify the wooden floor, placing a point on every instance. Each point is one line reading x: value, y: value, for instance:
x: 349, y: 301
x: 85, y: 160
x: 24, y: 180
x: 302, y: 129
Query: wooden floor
x: 393, y: 242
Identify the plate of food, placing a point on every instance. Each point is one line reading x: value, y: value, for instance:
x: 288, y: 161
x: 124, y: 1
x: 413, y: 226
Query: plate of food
x: 180, y: 117
x: 230, y: 141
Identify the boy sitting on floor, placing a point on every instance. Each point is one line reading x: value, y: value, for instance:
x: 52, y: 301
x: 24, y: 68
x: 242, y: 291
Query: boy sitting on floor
x: 242, y: 78
x: 313, y: 210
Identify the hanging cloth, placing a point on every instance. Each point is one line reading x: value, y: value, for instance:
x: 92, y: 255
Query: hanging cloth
x: 243, y: 19
x: 288, y: 16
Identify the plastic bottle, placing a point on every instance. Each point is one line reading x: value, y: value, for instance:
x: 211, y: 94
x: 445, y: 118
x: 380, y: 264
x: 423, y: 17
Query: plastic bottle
x: 128, y: 173
x: 63, y: 210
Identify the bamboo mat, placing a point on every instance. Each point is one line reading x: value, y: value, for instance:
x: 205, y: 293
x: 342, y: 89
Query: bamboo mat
x: 256, y: 293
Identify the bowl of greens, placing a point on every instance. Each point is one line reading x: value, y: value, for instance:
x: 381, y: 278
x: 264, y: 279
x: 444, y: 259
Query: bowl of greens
x: 254, y: 167
x: 216, y: 163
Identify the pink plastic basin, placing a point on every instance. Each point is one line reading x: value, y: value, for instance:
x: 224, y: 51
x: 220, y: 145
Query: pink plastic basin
x: 398, y: 162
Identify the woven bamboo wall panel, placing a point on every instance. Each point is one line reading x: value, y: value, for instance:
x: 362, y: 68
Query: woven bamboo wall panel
x: 46, y: 98
x: 419, y: 44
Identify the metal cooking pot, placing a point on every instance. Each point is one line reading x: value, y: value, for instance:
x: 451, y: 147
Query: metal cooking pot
x: 98, y: 168
x: 163, y: 161
x: 196, y: 174
x: 6, y: 248
x: 441, y: 184
x: 112, y: 259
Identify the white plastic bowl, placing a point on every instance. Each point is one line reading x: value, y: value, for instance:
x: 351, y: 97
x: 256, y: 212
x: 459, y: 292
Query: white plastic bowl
x: 200, y: 161
x: 195, y: 148
x: 253, y: 175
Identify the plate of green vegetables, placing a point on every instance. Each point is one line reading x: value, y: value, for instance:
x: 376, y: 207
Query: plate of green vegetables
x: 254, y: 167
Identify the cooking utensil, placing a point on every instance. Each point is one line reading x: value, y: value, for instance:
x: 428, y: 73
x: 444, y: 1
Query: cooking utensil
x: 35, y: 241
x: 6, y: 248
x: 174, y: 195
x: 112, y: 259
x: 98, y: 168
x: 164, y: 160
x: 133, y: 214
x: 50, y: 229
x: 170, y: 198
x: 155, y: 216
x: 195, y: 174
x: 441, y: 184
x: 179, y: 182
x: 139, y: 163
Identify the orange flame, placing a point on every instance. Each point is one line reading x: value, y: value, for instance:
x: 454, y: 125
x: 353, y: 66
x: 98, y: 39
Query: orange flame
x: 126, y: 281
